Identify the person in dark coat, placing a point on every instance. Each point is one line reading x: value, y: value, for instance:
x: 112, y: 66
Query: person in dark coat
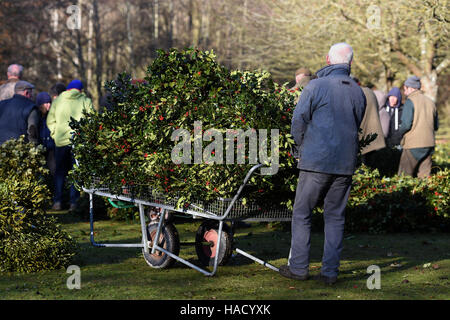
x: 394, y: 108
x: 325, y: 127
x: 19, y: 115
x: 56, y: 90
x: 43, y: 101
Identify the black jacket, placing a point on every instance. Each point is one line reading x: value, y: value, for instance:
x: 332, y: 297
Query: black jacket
x: 395, y: 136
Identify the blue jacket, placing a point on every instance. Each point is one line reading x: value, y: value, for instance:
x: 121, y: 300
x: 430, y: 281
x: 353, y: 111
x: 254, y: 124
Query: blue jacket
x: 326, y: 121
x: 14, y: 114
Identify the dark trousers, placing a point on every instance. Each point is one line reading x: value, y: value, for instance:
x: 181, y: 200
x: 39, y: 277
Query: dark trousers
x: 311, y: 188
x: 50, y: 158
x: 410, y: 166
x: 64, y: 162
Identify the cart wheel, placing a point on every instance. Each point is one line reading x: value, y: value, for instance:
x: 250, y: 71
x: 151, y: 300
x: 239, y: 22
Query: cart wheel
x: 168, y: 239
x: 208, y: 232
x: 153, y: 215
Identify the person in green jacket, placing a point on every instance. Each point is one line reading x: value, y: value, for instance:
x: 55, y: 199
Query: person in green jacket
x: 69, y: 104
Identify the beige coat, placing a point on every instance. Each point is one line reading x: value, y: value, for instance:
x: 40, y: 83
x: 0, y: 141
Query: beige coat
x: 421, y: 134
x: 371, y: 123
x: 7, y: 90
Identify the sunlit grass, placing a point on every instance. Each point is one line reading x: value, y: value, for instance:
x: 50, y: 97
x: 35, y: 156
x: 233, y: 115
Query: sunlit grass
x: 413, y: 266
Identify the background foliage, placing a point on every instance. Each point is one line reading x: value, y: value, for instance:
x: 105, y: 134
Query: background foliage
x: 392, y: 39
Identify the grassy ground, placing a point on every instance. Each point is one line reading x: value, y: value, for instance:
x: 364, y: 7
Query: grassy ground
x: 413, y: 266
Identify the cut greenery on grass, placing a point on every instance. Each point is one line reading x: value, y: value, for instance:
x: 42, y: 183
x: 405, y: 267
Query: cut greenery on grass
x: 413, y: 266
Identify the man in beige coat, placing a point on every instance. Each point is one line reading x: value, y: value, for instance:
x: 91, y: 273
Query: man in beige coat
x: 369, y: 125
x: 419, y: 122
x: 14, y: 74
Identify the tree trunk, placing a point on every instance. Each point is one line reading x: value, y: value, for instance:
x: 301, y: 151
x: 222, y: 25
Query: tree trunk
x: 241, y: 56
x: 81, y: 65
x: 195, y: 23
x: 429, y: 85
x: 90, y: 33
x: 98, y: 50
x: 130, y: 38
x: 170, y: 25
x: 79, y: 47
x: 156, y: 19
x: 205, y: 21
x: 55, y: 44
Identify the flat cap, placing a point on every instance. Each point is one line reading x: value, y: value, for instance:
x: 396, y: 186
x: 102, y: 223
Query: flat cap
x: 413, y: 82
x: 304, y: 71
x: 22, y: 85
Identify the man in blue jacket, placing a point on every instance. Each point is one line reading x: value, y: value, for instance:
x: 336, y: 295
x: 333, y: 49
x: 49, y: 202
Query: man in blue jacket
x: 19, y: 115
x: 325, y: 127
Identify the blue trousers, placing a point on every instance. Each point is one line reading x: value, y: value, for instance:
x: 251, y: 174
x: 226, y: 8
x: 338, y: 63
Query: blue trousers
x: 311, y: 188
x: 64, y: 162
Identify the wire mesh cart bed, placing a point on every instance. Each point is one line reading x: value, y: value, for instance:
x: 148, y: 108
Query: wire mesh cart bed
x: 214, y: 238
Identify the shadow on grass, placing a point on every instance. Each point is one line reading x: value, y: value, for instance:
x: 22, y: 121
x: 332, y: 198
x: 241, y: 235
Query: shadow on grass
x: 271, y: 244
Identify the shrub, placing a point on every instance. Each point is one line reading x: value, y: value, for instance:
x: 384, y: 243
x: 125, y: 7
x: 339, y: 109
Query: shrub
x: 29, y: 239
x: 396, y: 204
x: 399, y: 203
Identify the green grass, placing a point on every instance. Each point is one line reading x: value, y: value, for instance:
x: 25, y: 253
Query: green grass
x: 112, y: 273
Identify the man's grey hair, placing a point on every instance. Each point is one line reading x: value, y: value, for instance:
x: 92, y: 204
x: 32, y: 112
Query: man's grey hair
x: 15, y: 70
x: 340, y: 53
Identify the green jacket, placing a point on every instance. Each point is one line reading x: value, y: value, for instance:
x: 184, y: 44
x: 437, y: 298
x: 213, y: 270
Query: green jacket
x: 68, y: 104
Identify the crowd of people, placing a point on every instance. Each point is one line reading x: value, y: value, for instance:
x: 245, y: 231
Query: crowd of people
x: 406, y: 123
x: 43, y: 119
x: 332, y: 114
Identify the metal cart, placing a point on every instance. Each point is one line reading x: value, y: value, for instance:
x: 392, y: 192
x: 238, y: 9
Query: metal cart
x: 214, y: 245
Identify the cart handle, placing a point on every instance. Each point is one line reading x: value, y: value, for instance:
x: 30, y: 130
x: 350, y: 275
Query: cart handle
x: 237, y: 195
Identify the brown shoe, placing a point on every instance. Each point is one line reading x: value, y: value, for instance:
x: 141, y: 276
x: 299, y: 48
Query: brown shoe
x: 285, y: 271
x: 327, y: 280
x: 57, y: 206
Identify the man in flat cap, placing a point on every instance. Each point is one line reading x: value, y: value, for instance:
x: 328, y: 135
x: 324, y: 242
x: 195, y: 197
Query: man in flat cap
x: 419, y: 122
x: 19, y: 115
x: 302, y: 77
x: 14, y: 74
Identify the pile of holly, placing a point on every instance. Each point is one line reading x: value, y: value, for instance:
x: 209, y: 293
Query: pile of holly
x: 130, y: 146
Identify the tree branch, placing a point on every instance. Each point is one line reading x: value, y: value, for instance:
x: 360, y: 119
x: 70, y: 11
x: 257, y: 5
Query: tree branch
x: 407, y: 62
x: 443, y: 65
